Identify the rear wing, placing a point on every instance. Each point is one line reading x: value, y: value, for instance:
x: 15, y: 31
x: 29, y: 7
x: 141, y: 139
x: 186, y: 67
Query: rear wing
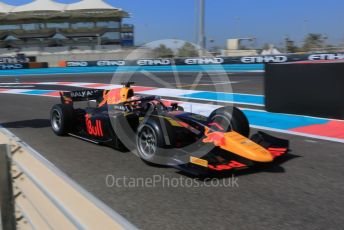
x: 81, y: 95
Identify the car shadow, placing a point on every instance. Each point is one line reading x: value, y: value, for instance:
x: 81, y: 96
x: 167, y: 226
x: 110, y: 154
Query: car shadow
x: 34, y: 123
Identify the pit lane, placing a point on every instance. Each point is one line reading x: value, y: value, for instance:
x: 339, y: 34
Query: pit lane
x: 303, y: 192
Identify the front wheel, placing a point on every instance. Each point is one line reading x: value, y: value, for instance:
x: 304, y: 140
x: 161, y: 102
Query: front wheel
x: 147, y: 143
x: 61, y: 119
x: 229, y: 119
x: 155, y: 141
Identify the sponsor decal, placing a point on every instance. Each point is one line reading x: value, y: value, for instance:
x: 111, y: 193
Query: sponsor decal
x: 264, y: 59
x: 199, y: 161
x: 218, y: 138
x: 335, y: 56
x: 94, y: 130
x: 111, y: 97
x: 77, y: 63
x: 119, y: 107
x: 12, y: 66
x: 13, y: 60
x: 209, y: 61
x: 111, y: 63
x: 277, y: 152
x: 84, y: 93
x: 150, y: 62
x: 231, y: 165
x: 204, y: 61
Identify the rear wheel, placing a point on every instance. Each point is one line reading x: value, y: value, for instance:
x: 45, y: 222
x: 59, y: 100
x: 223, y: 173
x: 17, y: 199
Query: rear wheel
x: 61, y: 117
x: 229, y: 119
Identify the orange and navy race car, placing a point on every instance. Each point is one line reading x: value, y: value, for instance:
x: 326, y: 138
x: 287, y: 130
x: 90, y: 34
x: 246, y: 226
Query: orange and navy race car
x: 162, y: 133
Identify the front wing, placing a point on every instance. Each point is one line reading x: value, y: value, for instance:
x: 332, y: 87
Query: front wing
x: 223, y: 161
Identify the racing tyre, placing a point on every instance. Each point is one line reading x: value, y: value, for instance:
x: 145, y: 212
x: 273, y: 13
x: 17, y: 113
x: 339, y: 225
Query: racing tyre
x: 229, y: 119
x: 150, y: 143
x: 61, y: 117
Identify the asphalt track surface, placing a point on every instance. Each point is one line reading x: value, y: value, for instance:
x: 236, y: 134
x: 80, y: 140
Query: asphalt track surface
x: 302, y: 191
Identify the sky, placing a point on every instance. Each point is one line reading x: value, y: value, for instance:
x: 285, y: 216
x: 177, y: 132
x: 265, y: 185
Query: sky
x: 270, y: 21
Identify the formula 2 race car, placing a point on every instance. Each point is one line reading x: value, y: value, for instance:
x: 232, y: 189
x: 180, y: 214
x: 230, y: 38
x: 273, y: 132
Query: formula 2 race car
x: 161, y: 133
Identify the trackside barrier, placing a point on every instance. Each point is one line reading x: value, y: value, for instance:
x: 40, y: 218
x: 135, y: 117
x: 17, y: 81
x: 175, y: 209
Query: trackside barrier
x: 312, y: 89
x: 281, y: 58
x: 45, y: 198
x: 28, y: 65
x: 7, y: 220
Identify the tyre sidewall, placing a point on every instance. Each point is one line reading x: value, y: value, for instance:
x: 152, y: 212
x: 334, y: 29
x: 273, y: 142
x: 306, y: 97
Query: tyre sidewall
x: 163, y: 148
x: 66, y: 116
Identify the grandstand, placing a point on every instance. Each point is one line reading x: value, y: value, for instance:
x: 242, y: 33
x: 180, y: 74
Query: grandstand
x: 46, y: 26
